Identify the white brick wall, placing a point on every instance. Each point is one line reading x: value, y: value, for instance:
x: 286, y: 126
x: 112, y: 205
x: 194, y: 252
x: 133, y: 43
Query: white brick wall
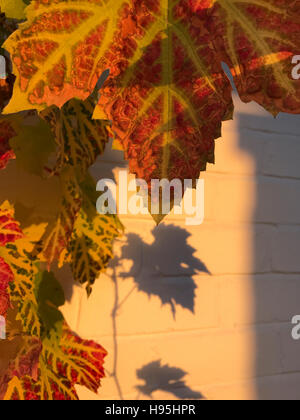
x: 214, y: 301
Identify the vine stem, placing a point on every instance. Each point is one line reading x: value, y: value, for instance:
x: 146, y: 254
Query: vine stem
x: 115, y: 331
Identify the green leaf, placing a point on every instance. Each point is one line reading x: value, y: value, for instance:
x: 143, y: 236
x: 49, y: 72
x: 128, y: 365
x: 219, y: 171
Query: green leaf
x: 50, y: 296
x: 80, y: 139
x: 22, y: 295
x: 33, y: 145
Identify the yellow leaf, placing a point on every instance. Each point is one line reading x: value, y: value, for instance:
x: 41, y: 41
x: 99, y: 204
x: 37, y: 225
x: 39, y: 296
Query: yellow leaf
x: 13, y: 8
x: 91, y: 245
x: 80, y: 139
x: 15, y: 389
x: 59, y: 74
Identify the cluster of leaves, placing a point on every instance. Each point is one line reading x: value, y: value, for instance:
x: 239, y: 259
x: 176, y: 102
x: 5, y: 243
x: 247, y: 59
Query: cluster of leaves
x: 164, y: 102
x: 42, y: 358
x: 167, y: 93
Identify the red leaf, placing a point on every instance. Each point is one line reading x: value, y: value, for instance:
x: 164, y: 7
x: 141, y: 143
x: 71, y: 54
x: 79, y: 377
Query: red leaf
x: 6, y: 133
x: 6, y: 276
x: 10, y: 230
x: 167, y: 94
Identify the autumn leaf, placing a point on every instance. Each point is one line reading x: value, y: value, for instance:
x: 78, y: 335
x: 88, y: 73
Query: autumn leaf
x: 19, y: 354
x: 24, y: 363
x: 91, y: 245
x: 59, y: 230
x: 23, y: 266
x: 9, y: 232
x: 27, y: 360
x: 167, y: 94
x: 10, y: 125
x: 55, y: 68
x: 10, y: 229
x: 26, y: 135
x: 6, y: 277
x: 168, y: 102
x: 70, y: 132
x: 80, y: 139
x: 17, y: 271
x: 14, y: 8
x: 6, y: 133
x: 61, y: 367
x: 6, y: 88
x: 73, y: 361
x: 50, y: 296
x: 258, y: 39
x: 65, y: 359
x: 86, y: 360
x: 33, y: 144
x: 7, y: 27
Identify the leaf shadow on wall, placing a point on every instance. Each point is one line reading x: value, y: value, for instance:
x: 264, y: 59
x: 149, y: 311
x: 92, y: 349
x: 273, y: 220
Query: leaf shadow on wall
x: 158, y: 377
x: 166, y: 267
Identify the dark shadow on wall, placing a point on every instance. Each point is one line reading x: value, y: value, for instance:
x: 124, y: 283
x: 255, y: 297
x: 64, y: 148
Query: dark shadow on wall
x: 276, y: 291
x: 167, y: 268
x: 158, y: 377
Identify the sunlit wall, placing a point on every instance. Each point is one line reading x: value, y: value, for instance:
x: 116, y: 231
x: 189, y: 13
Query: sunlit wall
x: 204, y: 311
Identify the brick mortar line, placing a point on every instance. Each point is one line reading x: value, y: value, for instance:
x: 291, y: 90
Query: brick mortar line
x: 204, y: 332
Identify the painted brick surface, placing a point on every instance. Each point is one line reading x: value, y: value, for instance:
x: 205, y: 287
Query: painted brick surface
x: 205, y: 311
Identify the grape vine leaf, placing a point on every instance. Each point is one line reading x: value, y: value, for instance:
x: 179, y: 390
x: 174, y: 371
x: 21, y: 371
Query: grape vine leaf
x: 50, y: 297
x: 6, y: 277
x: 6, y: 133
x: 17, y: 132
x: 6, y: 88
x: 19, y: 354
x: 67, y: 23
x: 91, y: 245
x: 10, y: 230
x: 80, y: 139
x: 18, y: 270
x: 7, y: 27
x: 14, y: 9
x: 59, y: 230
x: 33, y: 144
x: 167, y: 94
x: 72, y: 361
x: 23, y: 266
x: 65, y: 359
